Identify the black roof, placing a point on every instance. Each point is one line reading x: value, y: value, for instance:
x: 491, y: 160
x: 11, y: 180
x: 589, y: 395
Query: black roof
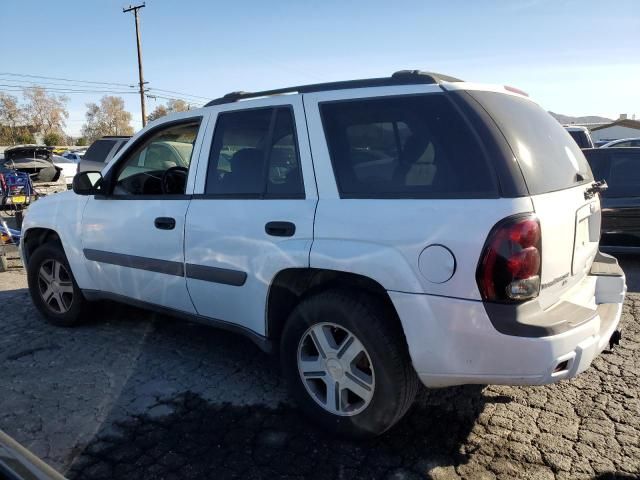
x: 402, y: 77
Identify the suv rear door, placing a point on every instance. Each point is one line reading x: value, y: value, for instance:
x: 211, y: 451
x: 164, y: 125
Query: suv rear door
x: 620, y: 167
x: 252, y: 212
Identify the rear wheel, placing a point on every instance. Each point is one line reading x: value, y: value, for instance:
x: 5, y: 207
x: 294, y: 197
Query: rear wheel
x: 52, y: 287
x: 347, y: 364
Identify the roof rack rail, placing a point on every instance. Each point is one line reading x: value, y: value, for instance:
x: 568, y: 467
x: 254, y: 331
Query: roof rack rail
x: 402, y: 77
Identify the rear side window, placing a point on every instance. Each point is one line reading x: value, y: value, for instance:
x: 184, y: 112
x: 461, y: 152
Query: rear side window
x: 255, y: 155
x: 404, y: 147
x: 99, y: 150
x: 548, y: 156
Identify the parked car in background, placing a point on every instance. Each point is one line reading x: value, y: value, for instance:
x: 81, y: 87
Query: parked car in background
x: 37, y: 162
x: 69, y: 168
x: 76, y: 156
x: 581, y: 135
x: 620, y: 168
x: 101, y: 152
x: 600, y: 143
x: 623, y: 142
x: 375, y: 233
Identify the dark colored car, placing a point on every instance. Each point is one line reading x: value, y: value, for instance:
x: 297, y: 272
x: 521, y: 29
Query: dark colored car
x: 18, y: 463
x: 620, y: 167
x: 101, y: 152
x: 36, y: 160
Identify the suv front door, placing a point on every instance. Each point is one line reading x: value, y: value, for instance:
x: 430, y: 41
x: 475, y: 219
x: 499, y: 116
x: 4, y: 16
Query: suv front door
x: 133, y: 235
x: 252, y: 214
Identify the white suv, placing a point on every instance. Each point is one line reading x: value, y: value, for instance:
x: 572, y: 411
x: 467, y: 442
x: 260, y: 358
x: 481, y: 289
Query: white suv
x: 376, y: 233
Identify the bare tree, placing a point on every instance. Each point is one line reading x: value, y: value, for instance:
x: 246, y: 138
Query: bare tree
x: 108, y: 118
x: 46, y: 112
x: 11, y: 117
x: 178, y: 106
x: 172, y: 106
x: 159, y: 111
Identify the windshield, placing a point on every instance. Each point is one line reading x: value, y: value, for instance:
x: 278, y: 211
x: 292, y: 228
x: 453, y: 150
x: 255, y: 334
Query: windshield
x: 549, y: 158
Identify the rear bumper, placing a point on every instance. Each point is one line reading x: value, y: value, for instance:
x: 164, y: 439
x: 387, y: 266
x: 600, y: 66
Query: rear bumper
x: 453, y: 342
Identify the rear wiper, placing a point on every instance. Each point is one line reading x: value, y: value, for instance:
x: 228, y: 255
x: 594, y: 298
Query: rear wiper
x: 596, y: 187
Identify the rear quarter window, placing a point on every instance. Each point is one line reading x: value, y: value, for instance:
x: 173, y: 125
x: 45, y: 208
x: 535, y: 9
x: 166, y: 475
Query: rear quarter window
x: 414, y: 146
x: 548, y: 156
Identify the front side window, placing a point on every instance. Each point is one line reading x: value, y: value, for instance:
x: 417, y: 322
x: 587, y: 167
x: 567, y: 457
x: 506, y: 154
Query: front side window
x: 255, y: 155
x: 160, y: 165
x: 404, y: 147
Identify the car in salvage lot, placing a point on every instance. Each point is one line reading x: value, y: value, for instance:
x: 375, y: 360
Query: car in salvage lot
x: 374, y: 233
x: 620, y: 168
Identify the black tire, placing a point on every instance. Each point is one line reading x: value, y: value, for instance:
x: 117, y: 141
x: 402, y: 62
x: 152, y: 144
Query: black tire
x: 44, y: 254
x: 369, y: 319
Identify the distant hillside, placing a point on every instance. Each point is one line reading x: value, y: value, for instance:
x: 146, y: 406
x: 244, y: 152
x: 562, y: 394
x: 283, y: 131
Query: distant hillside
x: 588, y: 119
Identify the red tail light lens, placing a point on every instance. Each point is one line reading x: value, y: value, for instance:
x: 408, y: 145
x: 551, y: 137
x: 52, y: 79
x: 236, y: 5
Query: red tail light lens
x: 509, y: 268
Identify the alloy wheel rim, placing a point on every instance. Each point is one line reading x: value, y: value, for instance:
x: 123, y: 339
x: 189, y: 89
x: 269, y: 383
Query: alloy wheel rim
x: 336, y: 369
x: 55, y: 285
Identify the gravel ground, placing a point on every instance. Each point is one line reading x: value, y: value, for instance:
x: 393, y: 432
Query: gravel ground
x: 133, y: 395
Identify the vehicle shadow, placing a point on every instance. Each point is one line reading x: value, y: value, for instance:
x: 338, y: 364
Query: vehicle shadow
x: 198, y: 434
x: 204, y: 440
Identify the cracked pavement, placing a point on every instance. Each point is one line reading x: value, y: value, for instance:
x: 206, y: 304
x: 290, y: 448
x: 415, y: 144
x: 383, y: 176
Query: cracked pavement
x: 131, y: 394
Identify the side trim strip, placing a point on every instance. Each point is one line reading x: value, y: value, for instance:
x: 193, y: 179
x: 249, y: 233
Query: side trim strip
x: 225, y: 276
x: 134, y: 261
x: 216, y: 274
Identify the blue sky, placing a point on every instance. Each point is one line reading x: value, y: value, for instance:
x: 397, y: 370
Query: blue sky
x: 575, y: 57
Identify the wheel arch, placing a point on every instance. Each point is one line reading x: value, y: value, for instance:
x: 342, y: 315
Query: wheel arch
x: 290, y: 286
x: 35, y: 237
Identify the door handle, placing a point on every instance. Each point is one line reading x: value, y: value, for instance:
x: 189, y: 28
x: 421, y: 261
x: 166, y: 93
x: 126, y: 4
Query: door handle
x: 165, y: 223
x: 280, y: 229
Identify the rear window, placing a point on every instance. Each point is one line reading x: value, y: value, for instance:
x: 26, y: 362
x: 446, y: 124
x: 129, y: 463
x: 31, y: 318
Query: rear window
x: 549, y: 158
x: 581, y: 138
x: 414, y: 146
x: 99, y: 150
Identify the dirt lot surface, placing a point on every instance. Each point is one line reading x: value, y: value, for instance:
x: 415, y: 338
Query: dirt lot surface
x: 132, y: 395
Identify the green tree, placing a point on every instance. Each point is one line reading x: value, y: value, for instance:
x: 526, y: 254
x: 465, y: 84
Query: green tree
x: 25, y: 136
x: 51, y: 139
x: 81, y: 142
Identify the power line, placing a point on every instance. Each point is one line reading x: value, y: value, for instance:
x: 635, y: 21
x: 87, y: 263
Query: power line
x: 63, y: 79
x: 63, y: 90
x: 31, y: 83
x: 180, y: 93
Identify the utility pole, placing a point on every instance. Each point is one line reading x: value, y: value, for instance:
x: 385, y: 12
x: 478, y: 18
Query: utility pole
x: 135, y: 9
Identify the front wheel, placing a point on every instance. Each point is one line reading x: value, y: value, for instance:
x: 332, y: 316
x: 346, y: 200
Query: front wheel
x: 52, y: 287
x: 347, y: 364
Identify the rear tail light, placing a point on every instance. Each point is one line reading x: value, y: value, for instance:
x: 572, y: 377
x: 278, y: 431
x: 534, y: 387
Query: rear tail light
x: 509, y: 268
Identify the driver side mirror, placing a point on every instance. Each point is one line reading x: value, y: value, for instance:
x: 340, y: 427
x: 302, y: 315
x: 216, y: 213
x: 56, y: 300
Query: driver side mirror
x: 87, y: 183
